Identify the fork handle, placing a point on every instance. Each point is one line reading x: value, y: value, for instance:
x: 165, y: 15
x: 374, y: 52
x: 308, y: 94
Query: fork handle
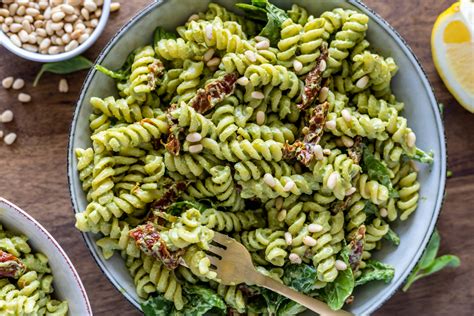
x: 311, y: 303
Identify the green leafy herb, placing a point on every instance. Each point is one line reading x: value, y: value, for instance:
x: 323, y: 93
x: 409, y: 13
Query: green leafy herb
x: 274, y: 17
x: 290, y: 308
x: 393, y: 237
x: 178, y: 207
x: 429, y: 263
x: 200, y: 300
x: 336, y: 293
x: 157, y: 306
x: 161, y: 33
x: 301, y: 277
x: 422, y: 156
x: 375, y: 270
x: 370, y: 208
x: 64, y: 67
x: 120, y: 74
x: 376, y: 170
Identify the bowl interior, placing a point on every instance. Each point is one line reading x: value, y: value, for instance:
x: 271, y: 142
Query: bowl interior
x: 67, y: 284
x: 44, y: 58
x: 410, y: 85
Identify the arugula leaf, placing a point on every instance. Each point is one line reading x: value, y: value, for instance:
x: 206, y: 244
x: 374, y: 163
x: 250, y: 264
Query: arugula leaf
x: 422, y: 156
x: 301, y: 277
x: 123, y: 72
x: 370, y: 208
x: 336, y: 293
x: 429, y: 263
x: 202, y: 300
x: 64, y: 67
x: 375, y: 270
x: 376, y: 170
x: 157, y: 306
x: 393, y: 237
x: 274, y: 17
x: 161, y: 33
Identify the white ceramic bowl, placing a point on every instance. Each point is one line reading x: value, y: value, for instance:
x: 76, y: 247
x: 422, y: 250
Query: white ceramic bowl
x: 410, y: 85
x: 67, y: 284
x: 45, y: 58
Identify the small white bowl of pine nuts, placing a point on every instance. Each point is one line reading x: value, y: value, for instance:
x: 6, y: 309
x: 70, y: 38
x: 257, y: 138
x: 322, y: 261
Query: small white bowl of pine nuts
x: 51, y: 30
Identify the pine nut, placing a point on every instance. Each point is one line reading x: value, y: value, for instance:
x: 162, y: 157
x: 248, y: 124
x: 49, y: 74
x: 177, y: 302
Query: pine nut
x: 309, y: 241
x: 74, y: 2
x: 4, y: 12
x: 16, y: 27
x: 58, y: 16
x: 193, y: 17
x: 294, y: 258
x: 315, y: 228
x: 30, y: 48
x: 347, y: 141
x: 323, y: 94
x: 24, y: 98
x: 23, y: 35
x: 269, y: 180
x: 251, y: 56
x: 259, y: 38
x: 67, y: 8
x: 195, y: 149
x: 351, y: 191
x: 45, y: 44
x: 260, y: 117
x: 83, y: 38
x: 297, y: 65
x: 72, y: 45
x: 330, y: 124
x: 257, y: 95
x: 9, y: 138
x: 362, y: 82
x: 85, y: 13
x: 209, y: 31
x: 193, y: 137
x: 90, y: 5
x: 383, y: 212
x: 52, y: 50
x: 32, y: 12
x: 289, y: 186
x: 340, y: 265
x: 63, y: 86
x: 411, y: 139
x: 281, y: 215
x: 332, y: 180
x: 327, y: 152
x: 6, y: 116
x: 115, y: 6
x: 208, y: 54
x: 262, y: 45
x: 18, y: 84
x: 243, y: 81
x: 288, y: 238
x: 214, y: 62
x: 322, y: 65
x: 7, y: 82
x: 346, y: 115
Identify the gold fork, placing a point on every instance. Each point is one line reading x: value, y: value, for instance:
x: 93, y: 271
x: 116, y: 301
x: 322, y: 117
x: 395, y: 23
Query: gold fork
x: 234, y: 266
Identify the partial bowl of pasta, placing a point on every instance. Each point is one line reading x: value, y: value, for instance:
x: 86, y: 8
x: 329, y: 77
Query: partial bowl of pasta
x: 36, y: 275
x: 308, y: 132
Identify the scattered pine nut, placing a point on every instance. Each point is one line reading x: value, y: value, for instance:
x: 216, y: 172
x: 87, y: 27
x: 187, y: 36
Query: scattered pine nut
x: 9, y: 138
x: 18, y: 84
x: 6, y: 116
x: 260, y: 118
x: 24, y: 97
x: 269, y: 180
x: 340, y: 265
x: 193, y: 137
x: 114, y: 6
x: 7, y: 82
x: 315, y: 228
x: 195, y: 149
x: 258, y: 95
x: 63, y: 86
x: 294, y: 258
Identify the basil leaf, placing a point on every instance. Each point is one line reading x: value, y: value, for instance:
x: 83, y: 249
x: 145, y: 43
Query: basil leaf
x: 370, y: 208
x: 422, y: 156
x: 336, y: 293
x: 253, y: 12
x: 64, y: 67
x: 393, y: 237
x: 157, y: 306
x: 431, y: 250
x: 123, y: 72
x: 273, y: 300
x: 375, y: 270
x: 301, y: 277
x: 161, y: 33
x: 429, y: 264
x: 376, y: 170
x: 178, y: 207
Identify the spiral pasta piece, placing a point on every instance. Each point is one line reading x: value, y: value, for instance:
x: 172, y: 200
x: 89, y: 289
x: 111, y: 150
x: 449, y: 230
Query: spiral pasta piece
x: 194, y: 122
x: 244, y: 150
x: 232, y: 296
x: 288, y: 44
x: 272, y: 242
x: 189, y: 81
x: 231, y: 222
x: 239, y: 62
x: 120, y: 109
x: 246, y: 170
x: 170, y: 49
x: 372, y: 190
x: 215, y: 10
x: 298, y: 14
x: 408, y: 189
x: 277, y: 76
x: 312, y: 37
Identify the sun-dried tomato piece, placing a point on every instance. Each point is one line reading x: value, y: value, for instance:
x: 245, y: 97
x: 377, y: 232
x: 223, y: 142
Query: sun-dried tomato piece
x: 169, y: 197
x: 340, y: 206
x: 356, y: 248
x: 156, y: 69
x: 355, y: 152
x: 314, y: 79
x: 10, y: 266
x: 214, y: 92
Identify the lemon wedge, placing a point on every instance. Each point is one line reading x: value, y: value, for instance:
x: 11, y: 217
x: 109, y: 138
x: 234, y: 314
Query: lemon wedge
x: 452, y: 47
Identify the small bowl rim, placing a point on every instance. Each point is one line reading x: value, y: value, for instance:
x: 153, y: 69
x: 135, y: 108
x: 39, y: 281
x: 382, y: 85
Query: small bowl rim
x: 58, y: 247
x: 359, y: 4
x: 46, y: 58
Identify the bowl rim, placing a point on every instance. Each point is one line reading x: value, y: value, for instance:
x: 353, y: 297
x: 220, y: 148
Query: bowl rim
x: 56, y: 245
x: 46, y: 58
x: 408, y: 52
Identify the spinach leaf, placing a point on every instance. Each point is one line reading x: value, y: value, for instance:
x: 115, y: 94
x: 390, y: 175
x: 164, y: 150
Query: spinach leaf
x: 301, y: 277
x: 273, y: 300
x: 161, y: 33
x: 422, y: 156
x: 274, y: 17
x: 370, y: 208
x: 336, y: 293
x: 429, y: 263
x: 376, y: 170
x: 202, y: 300
x: 393, y: 237
x: 157, y: 306
x: 64, y: 67
x: 375, y: 270
x: 123, y: 72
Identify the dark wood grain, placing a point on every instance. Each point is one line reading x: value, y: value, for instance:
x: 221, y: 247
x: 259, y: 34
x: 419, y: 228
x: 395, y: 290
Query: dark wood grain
x: 33, y: 170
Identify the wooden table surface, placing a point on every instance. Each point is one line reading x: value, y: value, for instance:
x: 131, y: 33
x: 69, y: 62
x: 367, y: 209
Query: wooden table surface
x: 33, y: 170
